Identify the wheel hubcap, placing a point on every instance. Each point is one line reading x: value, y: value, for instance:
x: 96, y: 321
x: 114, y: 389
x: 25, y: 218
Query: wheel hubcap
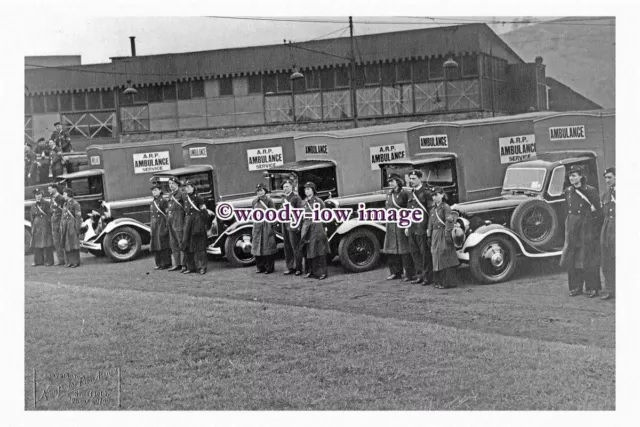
x: 123, y: 244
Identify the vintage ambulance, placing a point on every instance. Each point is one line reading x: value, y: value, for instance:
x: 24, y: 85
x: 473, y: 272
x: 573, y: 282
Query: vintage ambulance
x: 527, y: 218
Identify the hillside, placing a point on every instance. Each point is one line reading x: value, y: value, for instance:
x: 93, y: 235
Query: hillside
x: 580, y: 56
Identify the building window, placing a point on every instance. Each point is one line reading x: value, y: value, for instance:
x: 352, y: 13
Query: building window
x: 184, y: 91
x: 155, y: 94
x: 299, y: 85
x: 421, y: 71
x: 453, y: 73
x: 169, y: 92
x: 360, y: 78
x: 404, y: 71
x: 342, y: 77
x: 255, y: 84
x: 388, y: 74
x: 312, y: 78
x: 27, y: 105
x: 470, y: 65
x: 284, y: 84
x: 140, y: 97
x: 226, y: 87
x: 372, y: 72
x: 436, y: 71
x: 108, y: 102
x: 52, y: 103
x: 79, y: 101
x: 65, y: 102
x: 38, y: 104
x: 327, y: 79
x: 269, y: 83
x: 93, y: 100
x: 197, y: 89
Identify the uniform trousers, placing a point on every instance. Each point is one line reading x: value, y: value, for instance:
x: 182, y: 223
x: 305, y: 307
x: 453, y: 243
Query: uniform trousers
x: 73, y: 257
x: 445, y: 277
x: 177, y: 255
x: 292, y: 256
x: 195, y: 260
x: 265, y: 262
x: 589, y: 277
x: 162, y: 257
x: 398, y: 263
x: 43, y: 256
x: 316, y: 266
x: 421, y: 254
x: 609, y: 273
x: 56, y: 243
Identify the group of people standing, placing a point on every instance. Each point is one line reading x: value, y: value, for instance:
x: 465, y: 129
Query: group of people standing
x: 56, y: 225
x: 179, y: 228
x: 424, y: 251
x: 590, y: 235
x: 53, y: 151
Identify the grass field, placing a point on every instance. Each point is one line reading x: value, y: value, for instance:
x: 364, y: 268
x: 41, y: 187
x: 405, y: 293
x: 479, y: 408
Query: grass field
x: 179, y: 351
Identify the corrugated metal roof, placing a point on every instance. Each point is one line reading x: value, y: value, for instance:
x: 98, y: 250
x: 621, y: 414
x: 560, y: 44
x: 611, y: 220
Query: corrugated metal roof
x: 157, y: 69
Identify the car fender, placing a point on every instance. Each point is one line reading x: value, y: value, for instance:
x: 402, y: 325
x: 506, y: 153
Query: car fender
x: 351, y: 225
x: 121, y: 222
x: 485, y: 231
x: 233, y: 228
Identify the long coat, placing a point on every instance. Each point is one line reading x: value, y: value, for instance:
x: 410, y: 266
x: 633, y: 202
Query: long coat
x: 194, y: 236
x: 608, y: 233
x: 263, y: 237
x: 70, y: 226
x: 396, y: 241
x: 420, y: 199
x: 443, y: 250
x: 175, y: 211
x: 582, y: 229
x: 159, y: 227
x: 313, y: 237
x: 41, y: 236
x: 56, y: 205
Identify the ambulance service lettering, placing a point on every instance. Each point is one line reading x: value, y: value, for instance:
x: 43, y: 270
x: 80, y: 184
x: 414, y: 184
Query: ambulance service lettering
x: 95, y: 160
x: 562, y: 133
x: 434, y: 141
x: 386, y: 153
x: 264, y: 158
x: 151, y: 162
x: 198, y: 152
x: 316, y: 149
x: 517, y: 148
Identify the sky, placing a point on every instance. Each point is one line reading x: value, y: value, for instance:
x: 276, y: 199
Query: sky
x: 98, y: 38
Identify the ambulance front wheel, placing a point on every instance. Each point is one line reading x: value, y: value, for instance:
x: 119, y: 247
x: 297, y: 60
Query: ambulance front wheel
x: 122, y: 244
x: 494, y: 260
x: 359, y: 250
x: 237, y: 248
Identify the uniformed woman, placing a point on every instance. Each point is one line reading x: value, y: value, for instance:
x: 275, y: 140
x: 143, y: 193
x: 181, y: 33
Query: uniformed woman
x: 70, y: 224
x: 175, y: 223
x: 440, y: 240
x: 313, y: 240
x: 159, y: 229
x: 263, y: 239
x: 194, y: 239
x: 581, y: 251
x: 41, y: 237
x: 396, y: 242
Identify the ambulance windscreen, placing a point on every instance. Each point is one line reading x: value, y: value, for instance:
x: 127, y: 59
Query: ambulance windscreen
x: 530, y: 179
x: 439, y: 174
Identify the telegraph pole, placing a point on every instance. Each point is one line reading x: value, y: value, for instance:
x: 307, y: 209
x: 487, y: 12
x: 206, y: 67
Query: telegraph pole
x: 352, y: 82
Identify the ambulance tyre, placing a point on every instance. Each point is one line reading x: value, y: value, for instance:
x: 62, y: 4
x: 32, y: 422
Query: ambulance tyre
x: 359, y: 250
x: 493, y: 260
x: 27, y: 241
x: 122, y: 244
x: 536, y: 222
x: 234, y: 249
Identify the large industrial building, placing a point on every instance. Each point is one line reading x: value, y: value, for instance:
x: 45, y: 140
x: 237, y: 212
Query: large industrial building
x: 444, y: 73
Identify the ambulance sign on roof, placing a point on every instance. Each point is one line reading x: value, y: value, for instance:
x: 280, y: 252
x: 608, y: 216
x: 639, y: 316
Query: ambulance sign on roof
x: 198, y: 152
x: 517, y: 148
x: 264, y: 158
x: 563, y: 133
x: 434, y: 141
x: 151, y: 162
x: 386, y: 153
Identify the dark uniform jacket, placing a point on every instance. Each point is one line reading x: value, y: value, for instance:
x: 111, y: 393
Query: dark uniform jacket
x: 608, y: 233
x: 263, y: 238
x: 420, y: 199
x: 175, y: 211
x: 294, y: 201
x: 42, y: 150
x: 443, y: 250
x: 56, y: 160
x: 396, y: 241
x: 313, y: 237
x: 159, y: 227
x: 41, y: 236
x: 194, y: 238
x: 582, y: 227
x: 56, y: 212
x: 62, y: 140
x: 70, y: 226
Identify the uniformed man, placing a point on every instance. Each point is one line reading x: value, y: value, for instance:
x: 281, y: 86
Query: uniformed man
x: 41, y: 238
x: 56, y: 160
x: 263, y: 236
x: 440, y: 240
x: 396, y: 242
x: 70, y: 228
x: 30, y: 165
x: 290, y: 234
x: 61, y: 138
x: 608, y: 234
x: 175, y: 221
x: 56, y: 203
x: 313, y: 237
x: 581, y: 251
x: 420, y: 198
x: 194, y: 236
x: 159, y: 244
